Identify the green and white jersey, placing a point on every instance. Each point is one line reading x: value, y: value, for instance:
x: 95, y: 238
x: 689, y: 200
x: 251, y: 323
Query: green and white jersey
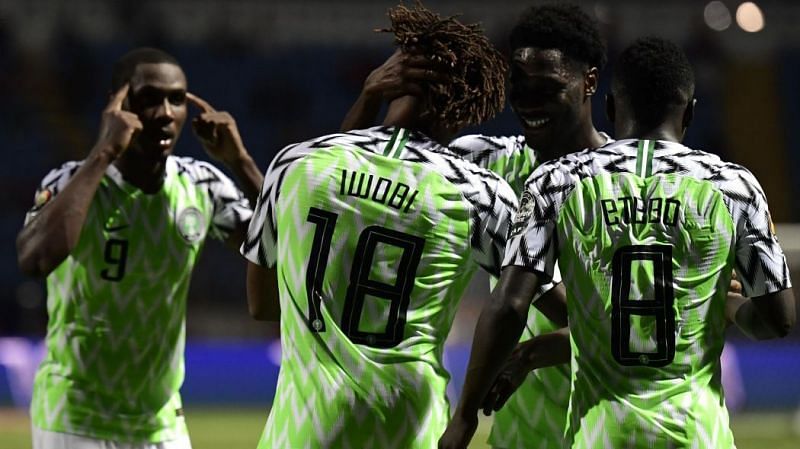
x: 375, y: 234
x: 537, y: 412
x: 649, y: 232
x: 117, y: 304
x: 508, y: 156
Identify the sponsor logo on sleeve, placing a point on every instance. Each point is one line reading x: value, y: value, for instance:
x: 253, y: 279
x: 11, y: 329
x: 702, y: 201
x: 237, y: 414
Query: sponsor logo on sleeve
x: 42, y: 197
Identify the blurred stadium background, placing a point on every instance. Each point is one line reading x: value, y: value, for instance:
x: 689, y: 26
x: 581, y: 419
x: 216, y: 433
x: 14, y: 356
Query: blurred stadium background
x: 288, y: 71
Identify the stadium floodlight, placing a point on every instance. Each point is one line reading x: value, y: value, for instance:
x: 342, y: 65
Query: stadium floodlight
x: 749, y: 17
x: 717, y: 16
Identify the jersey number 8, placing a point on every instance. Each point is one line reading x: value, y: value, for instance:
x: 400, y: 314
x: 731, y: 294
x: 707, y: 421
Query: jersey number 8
x: 360, y: 285
x: 659, y: 307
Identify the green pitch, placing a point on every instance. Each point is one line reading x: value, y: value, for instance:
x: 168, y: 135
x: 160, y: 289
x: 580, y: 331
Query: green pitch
x: 237, y: 428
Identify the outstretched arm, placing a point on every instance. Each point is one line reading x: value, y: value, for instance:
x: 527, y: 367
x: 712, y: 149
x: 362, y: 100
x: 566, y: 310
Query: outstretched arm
x: 53, y: 233
x: 402, y: 74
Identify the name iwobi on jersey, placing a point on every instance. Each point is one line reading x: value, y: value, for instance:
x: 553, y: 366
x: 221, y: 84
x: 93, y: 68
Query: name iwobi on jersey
x: 117, y: 304
x: 650, y: 232
x: 375, y: 234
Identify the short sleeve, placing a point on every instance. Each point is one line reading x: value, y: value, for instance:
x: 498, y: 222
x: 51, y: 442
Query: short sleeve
x: 261, y: 242
x: 53, y: 183
x: 533, y: 242
x: 231, y: 207
x: 760, y: 262
x: 490, y: 226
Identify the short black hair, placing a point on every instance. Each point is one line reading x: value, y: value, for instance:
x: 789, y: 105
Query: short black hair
x: 475, y: 91
x: 561, y: 26
x: 125, y: 66
x: 652, y: 75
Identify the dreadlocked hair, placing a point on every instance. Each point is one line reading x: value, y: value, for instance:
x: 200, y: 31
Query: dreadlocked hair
x: 475, y: 91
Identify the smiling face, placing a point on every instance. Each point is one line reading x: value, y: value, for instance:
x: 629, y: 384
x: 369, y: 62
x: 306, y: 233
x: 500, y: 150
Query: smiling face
x: 158, y: 97
x: 548, y: 94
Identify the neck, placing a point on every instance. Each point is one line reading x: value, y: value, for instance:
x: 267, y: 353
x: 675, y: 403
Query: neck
x: 659, y: 132
x: 146, y: 175
x: 583, y: 137
x: 406, y: 112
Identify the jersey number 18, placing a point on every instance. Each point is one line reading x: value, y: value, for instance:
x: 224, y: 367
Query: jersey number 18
x: 360, y: 284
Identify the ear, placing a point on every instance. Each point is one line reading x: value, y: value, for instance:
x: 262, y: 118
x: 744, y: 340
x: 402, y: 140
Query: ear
x: 688, y: 113
x: 590, y: 82
x: 611, y: 109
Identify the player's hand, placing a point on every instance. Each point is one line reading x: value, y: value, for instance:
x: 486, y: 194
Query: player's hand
x: 736, y: 286
x: 734, y: 299
x: 404, y: 73
x: 507, y: 382
x: 459, y: 432
x: 216, y: 131
x: 118, y: 127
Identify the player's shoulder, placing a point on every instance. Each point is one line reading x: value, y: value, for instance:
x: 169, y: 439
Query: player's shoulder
x: 479, y: 186
x: 370, y: 140
x: 457, y: 168
x: 196, y: 170
x: 706, y: 166
x: 54, y: 181
x: 472, y: 144
x: 570, y: 165
x: 61, y: 173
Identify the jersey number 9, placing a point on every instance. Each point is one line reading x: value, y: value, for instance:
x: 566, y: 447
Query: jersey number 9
x: 116, y: 255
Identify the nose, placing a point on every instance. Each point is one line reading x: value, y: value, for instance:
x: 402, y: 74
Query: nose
x: 166, y: 110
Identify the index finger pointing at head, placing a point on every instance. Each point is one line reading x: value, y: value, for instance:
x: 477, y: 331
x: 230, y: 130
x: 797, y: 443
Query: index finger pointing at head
x: 118, y: 97
x: 199, y: 102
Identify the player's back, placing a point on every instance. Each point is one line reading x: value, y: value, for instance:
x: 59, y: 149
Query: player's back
x: 378, y: 234
x: 648, y: 235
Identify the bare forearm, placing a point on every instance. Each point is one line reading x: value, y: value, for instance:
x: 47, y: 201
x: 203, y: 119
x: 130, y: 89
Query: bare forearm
x: 262, y: 293
x: 742, y: 312
x: 248, y: 174
x: 363, y: 113
x: 546, y: 350
x: 553, y: 304
x: 496, y: 334
x: 50, y: 237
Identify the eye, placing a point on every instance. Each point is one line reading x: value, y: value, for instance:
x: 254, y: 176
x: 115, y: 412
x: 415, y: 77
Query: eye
x: 177, y: 98
x: 147, y: 99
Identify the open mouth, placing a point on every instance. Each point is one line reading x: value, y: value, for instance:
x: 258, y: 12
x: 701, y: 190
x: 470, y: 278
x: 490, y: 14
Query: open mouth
x: 163, y: 139
x: 536, y: 123
x: 165, y: 142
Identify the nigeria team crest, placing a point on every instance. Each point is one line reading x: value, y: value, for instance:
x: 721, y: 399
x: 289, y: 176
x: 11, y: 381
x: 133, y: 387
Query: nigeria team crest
x: 191, y: 224
x: 523, y: 214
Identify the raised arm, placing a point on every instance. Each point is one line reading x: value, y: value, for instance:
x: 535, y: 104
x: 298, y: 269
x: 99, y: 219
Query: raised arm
x: 402, y: 74
x: 53, y: 232
x: 219, y: 135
